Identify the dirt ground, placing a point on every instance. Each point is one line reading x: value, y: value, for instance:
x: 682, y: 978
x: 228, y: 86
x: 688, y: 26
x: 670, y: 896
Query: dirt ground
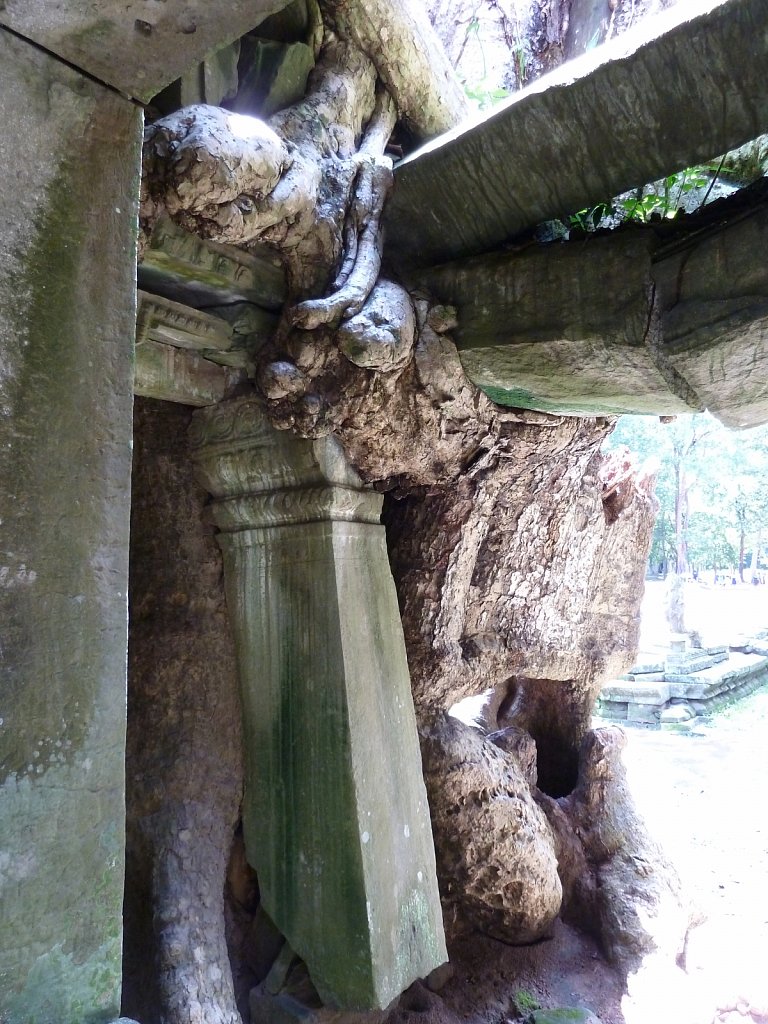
x: 703, y: 795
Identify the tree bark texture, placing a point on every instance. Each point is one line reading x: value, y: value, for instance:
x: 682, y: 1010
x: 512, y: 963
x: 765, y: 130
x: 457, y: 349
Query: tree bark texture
x: 409, y: 58
x: 520, y: 582
x: 518, y: 550
x: 184, y: 758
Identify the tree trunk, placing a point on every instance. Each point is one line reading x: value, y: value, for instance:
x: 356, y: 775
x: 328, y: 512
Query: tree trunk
x: 184, y: 762
x: 493, y: 575
x: 755, y: 556
x: 742, y: 545
x: 675, y: 602
x: 519, y: 552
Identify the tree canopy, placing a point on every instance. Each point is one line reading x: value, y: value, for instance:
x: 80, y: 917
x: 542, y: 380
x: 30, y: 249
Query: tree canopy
x: 711, y: 489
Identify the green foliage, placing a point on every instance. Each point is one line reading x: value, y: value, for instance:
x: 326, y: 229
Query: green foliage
x: 484, y: 96
x: 664, y: 198
x: 482, y: 93
x: 660, y: 200
x: 588, y: 219
x: 710, y: 479
x: 524, y: 1002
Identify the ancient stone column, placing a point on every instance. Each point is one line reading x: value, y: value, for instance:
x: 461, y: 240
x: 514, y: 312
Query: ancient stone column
x: 335, y: 815
x: 70, y: 156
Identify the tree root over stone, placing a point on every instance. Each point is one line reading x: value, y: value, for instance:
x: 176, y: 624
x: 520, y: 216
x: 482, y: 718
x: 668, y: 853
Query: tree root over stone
x: 508, y: 565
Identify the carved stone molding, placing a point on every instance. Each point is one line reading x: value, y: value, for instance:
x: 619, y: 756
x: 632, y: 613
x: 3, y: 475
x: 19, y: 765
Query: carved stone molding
x: 194, y: 270
x: 179, y: 351
x: 335, y: 813
x: 266, y: 477
x: 172, y: 323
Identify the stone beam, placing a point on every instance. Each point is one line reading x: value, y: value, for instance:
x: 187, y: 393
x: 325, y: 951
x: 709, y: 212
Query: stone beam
x: 197, y: 272
x: 68, y: 195
x: 335, y: 811
x: 188, y: 356
x: 622, y: 323
x: 136, y: 48
x: 619, y: 117
x: 567, y: 328
x: 713, y: 297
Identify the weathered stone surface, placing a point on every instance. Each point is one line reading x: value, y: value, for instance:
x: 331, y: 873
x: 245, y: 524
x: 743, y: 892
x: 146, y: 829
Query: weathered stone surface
x: 643, y: 694
x: 532, y: 158
x: 197, y: 272
x: 495, y: 848
x: 705, y: 685
x: 335, y: 815
x: 177, y: 375
x: 171, y: 323
x: 682, y: 329
x: 188, y: 356
x: 647, y: 667
x: 275, y: 76
x: 538, y: 331
x: 714, y: 301
x: 136, y: 49
x: 564, y: 1015
x: 70, y: 155
x: 676, y: 714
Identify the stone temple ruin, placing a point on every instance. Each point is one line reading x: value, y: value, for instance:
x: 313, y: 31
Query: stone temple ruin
x: 689, y: 681
x: 354, y: 481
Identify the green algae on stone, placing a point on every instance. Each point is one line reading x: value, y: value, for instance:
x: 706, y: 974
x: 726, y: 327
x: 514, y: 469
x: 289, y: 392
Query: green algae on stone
x: 67, y: 310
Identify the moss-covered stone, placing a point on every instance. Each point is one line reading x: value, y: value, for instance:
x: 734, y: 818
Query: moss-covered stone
x: 67, y: 312
x: 335, y: 811
x: 573, y: 1015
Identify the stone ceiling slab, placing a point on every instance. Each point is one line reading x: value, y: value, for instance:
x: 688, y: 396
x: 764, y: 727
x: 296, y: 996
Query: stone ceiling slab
x: 629, y: 113
x: 137, y: 46
x: 537, y: 331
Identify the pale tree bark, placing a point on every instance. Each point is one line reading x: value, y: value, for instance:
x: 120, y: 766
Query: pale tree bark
x: 409, y: 58
x: 520, y: 583
x: 184, y: 757
x: 519, y: 562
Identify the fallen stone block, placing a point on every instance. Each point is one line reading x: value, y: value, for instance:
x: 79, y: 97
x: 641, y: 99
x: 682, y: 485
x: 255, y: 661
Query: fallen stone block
x: 677, y: 714
x: 644, y: 714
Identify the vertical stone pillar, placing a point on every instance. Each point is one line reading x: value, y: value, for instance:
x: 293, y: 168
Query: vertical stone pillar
x: 69, y: 154
x: 336, y: 817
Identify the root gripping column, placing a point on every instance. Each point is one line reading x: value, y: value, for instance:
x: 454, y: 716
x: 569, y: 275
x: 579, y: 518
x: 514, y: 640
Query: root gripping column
x: 335, y: 814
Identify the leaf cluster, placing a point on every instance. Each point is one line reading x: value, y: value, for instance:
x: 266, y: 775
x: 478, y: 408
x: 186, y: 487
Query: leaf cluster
x: 719, y: 475
x: 660, y: 200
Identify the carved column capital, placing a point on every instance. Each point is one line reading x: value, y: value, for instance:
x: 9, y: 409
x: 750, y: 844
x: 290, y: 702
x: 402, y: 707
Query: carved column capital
x: 335, y: 814
x: 265, y: 477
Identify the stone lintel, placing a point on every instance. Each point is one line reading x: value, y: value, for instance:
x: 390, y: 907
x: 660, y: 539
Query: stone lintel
x: 138, y: 49
x: 335, y: 812
x: 195, y: 271
x: 171, y: 323
x: 623, y: 322
x: 714, y: 297
x: 570, y: 328
x: 179, y: 375
x: 532, y: 158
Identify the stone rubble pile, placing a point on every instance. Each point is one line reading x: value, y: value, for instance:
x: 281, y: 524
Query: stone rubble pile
x: 685, y: 681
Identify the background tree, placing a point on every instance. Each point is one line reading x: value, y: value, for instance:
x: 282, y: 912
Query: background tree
x: 713, y: 500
